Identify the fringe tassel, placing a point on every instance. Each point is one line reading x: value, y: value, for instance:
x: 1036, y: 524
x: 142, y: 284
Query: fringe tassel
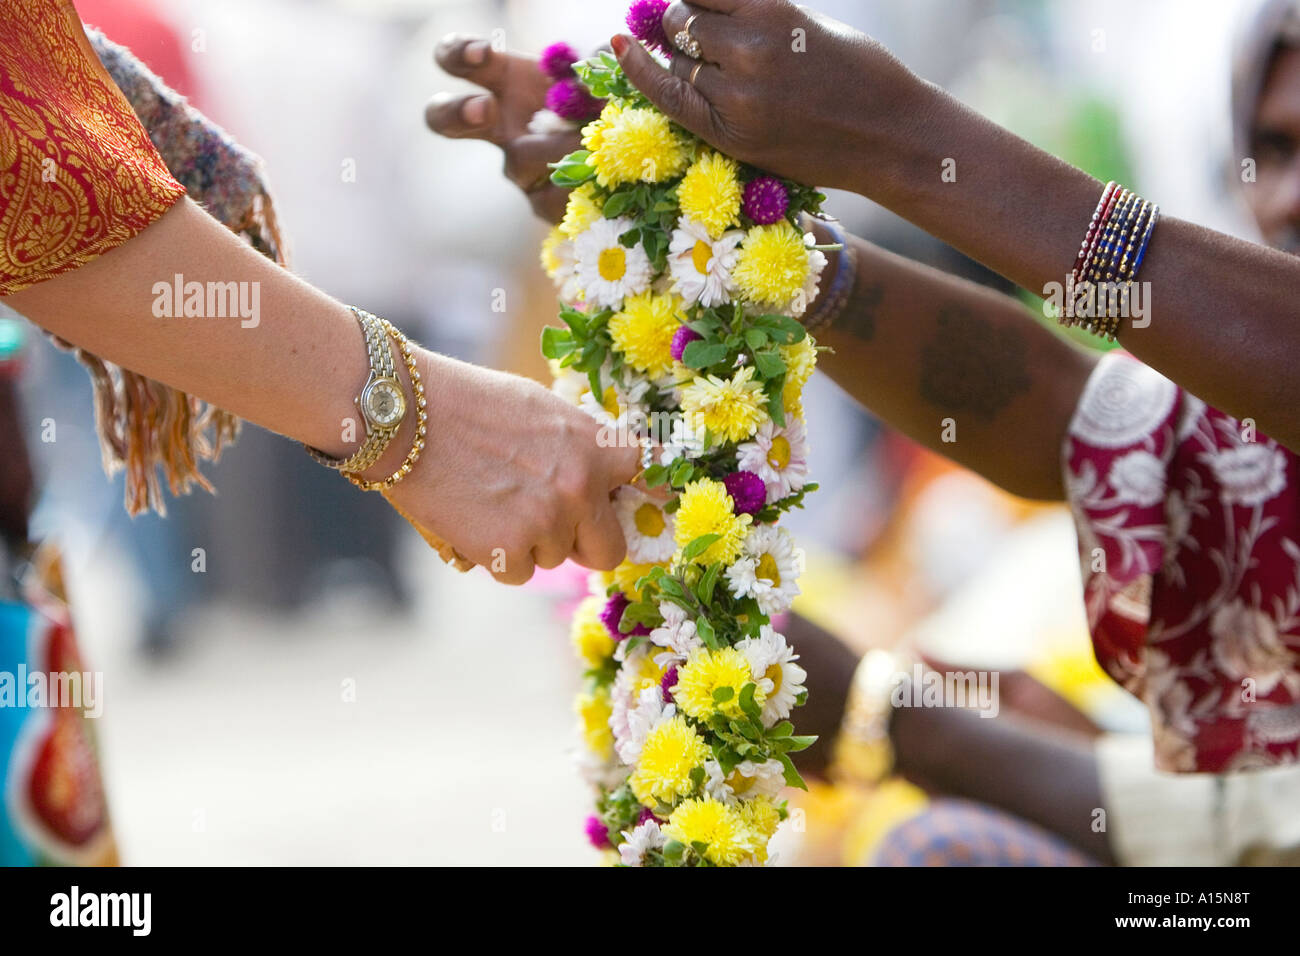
x: 146, y: 427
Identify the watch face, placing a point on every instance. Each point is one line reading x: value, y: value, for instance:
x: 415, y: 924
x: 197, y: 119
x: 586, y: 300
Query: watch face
x: 384, y: 403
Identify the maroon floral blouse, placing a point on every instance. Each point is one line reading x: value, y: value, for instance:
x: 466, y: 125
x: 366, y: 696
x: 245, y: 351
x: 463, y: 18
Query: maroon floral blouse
x: 1189, y: 542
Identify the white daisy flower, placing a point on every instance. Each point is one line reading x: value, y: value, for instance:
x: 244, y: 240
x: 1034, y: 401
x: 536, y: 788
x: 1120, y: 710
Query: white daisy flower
x: 767, y: 569
x: 677, y: 634
x: 545, y: 122
x: 778, y: 455
x: 623, y: 406
x: 639, y: 841
x: 607, y: 270
x: 817, y: 263
x: 570, y: 385
x: 630, y: 733
x: 700, y: 265
x: 685, y: 442
x: 747, y: 781
x: 648, y: 530
x: 771, y: 661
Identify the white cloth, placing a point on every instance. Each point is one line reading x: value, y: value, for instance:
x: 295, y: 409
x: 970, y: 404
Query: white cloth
x: 1163, y: 819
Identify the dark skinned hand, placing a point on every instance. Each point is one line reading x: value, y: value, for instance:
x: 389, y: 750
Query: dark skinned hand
x: 514, y: 90
x: 766, y: 61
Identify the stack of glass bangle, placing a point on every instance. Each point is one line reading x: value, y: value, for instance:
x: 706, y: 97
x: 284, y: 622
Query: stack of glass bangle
x: 1110, y: 257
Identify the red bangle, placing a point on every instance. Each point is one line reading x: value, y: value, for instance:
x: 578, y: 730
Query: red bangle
x: 1105, y: 207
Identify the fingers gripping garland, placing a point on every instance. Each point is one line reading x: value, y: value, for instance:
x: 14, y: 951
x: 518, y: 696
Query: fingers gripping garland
x: 682, y: 275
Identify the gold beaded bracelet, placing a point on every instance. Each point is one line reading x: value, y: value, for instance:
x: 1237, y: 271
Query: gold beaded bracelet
x: 421, y: 423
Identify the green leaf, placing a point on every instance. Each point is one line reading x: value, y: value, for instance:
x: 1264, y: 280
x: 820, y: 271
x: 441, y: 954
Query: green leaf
x: 769, y: 363
x: 723, y: 694
x: 801, y: 743
x: 792, y: 777
x: 674, y: 849
x: 756, y: 338
x: 747, y: 704
x: 781, y: 328
x: 704, y: 628
x: 776, y: 400
x: 557, y: 343
x: 682, y: 472
x: 704, y: 590
x: 573, y: 170
x: 699, y: 355
x: 617, y: 204
x: 699, y: 546
x: 783, y: 729
x: 655, y: 476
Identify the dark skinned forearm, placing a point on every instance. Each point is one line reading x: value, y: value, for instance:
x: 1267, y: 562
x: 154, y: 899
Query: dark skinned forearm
x: 941, y: 358
x: 1221, y: 309
x: 1032, y: 771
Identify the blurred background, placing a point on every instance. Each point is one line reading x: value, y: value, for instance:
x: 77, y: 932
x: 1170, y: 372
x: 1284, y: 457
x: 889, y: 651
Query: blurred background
x: 323, y: 690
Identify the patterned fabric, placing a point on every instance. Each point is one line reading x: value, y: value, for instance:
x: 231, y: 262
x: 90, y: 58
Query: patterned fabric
x: 963, y: 833
x: 52, y: 806
x: 1189, y: 543
x: 78, y: 175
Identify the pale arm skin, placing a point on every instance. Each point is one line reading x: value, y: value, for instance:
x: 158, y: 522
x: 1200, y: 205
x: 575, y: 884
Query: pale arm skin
x: 507, y: 465
x: 914, y: 344
x: 1223, y: 309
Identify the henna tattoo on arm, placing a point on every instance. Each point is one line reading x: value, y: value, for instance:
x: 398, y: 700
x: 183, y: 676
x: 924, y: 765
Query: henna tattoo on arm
x: 972, y: 365
x: 859, y: 316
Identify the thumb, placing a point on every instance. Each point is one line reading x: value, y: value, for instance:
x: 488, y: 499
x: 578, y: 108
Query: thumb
x: 682, y: 102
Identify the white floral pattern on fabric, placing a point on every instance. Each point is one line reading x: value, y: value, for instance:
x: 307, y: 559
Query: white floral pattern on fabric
x: 1188, y: 528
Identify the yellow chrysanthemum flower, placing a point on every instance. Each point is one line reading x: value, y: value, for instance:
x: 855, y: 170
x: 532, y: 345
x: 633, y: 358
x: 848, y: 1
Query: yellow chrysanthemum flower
x: 582, y: 210
x: 711, y: 822
x: 594, y: 712
x: 641, y: 672
x: 636, y: 145
x: 731, y: 409
x: 706, y: 508
x: 761, y: 817
x: 773, y: 265
x: 708, y: 671
x: 626, y: 575
x: 591, y: 638
x: 644, y: 331
x: 551, y: 261
x: 710, y: 193
x: 671, y: 751
x: 800, y: 362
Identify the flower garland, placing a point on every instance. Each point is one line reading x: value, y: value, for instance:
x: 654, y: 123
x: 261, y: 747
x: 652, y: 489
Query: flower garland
x: 682, y: 274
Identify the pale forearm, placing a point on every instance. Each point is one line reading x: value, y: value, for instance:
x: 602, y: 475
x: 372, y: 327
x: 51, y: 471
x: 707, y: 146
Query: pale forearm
x: 959, y: 368
x: 294, y: 372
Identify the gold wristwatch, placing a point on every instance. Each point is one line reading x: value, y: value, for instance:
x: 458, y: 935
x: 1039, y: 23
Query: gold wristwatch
x: 382, y: 402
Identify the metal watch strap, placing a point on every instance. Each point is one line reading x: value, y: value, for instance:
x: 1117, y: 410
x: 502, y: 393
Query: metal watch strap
x: 379, y: 349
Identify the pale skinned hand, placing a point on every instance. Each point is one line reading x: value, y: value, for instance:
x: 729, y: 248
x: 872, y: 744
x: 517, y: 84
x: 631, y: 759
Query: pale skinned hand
x: 784, y: 88
x: 514, y: 89
x: 513, y: 476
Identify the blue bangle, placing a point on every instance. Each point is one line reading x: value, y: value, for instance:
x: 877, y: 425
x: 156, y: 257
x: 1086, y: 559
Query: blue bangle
x: 846, y: 277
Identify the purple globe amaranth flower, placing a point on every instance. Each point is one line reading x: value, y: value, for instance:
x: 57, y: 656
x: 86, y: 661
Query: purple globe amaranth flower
x: 668, y: 683
x: 646, y: 816
x: 557, y: 60
x: 747, y: 491
x: 597, y: 833
x: 613, y: 614
x: 646, y: 21
x: 683, y: 337
x: 570, y: 100
x: 766, y: 200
